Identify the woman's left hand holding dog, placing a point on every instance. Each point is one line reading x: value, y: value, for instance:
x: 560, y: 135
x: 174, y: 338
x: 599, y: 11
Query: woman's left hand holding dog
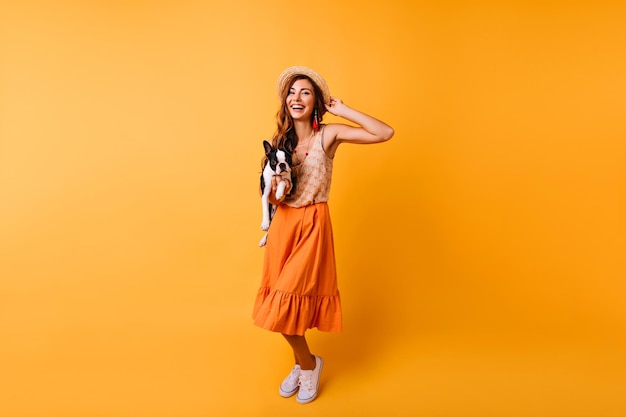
x: 272, y: 197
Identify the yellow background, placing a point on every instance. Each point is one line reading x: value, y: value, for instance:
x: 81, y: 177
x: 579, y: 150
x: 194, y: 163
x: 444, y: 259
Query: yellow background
x: 480, y: 252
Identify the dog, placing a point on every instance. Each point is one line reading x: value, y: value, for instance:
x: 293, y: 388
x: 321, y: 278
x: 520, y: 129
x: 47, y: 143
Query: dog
x: 279, y: 162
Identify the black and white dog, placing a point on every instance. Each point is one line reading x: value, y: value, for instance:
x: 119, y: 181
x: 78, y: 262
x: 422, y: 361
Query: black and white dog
x: 278, y: 163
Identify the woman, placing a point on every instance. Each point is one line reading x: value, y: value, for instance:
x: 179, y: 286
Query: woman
x: 299, y: 284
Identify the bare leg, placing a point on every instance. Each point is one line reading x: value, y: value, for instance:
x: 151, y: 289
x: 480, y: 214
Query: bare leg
x: 301, y: 351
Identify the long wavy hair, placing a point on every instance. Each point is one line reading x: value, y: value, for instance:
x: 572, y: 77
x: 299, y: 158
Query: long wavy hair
x: 284, y: 121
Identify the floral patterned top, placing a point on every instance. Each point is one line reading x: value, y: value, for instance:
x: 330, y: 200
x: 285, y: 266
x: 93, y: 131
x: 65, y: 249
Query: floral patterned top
x: 313, y: 176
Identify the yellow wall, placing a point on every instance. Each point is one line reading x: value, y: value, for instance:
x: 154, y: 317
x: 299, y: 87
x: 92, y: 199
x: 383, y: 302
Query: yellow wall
x: 480, y: 252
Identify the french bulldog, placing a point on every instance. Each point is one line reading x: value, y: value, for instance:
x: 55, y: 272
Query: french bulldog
x: 278, y: 163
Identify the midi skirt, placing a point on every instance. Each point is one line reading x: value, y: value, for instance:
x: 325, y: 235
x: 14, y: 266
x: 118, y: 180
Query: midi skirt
x: 299, y: 283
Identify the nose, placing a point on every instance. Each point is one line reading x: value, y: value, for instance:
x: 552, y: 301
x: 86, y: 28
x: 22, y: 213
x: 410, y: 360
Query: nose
x: 282, y: 166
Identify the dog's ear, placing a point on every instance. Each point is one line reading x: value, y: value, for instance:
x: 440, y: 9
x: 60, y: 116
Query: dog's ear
x: 267, y: 146
x: 289, y: 145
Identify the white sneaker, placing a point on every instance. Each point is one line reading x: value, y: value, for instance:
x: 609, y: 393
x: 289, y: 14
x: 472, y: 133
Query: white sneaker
x: 309, y: 382
x: 289, y: 386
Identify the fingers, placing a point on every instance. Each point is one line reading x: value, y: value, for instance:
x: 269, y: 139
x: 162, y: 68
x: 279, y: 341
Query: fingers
x: 334, y: 101
x: 333, y: 105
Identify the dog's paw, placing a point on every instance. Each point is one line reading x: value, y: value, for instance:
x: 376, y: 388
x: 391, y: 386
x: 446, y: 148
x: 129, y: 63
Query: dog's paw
x: 280, y: 190
x: 265, y: 225
x: 263, y: 241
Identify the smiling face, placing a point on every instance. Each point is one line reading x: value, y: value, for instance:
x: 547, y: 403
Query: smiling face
x: 300, y: 99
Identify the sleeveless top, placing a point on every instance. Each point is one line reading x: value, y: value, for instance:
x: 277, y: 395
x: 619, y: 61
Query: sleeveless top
x: 313, y: 175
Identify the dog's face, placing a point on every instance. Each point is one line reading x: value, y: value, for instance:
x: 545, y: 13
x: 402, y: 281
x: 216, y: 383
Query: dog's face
x: 279, y: 159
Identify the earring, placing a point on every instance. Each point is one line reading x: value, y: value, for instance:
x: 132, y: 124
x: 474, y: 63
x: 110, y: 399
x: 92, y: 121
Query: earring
x: 316, y: 123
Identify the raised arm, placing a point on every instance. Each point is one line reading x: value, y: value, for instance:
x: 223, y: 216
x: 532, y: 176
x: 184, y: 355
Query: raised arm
x: 370, y: 129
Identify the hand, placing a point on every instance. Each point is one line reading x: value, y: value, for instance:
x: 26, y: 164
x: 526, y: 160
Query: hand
x: 335, y: 106
x: 272, y: 197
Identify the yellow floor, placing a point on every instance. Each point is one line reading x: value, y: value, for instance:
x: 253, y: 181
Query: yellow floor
x: 177, y: 362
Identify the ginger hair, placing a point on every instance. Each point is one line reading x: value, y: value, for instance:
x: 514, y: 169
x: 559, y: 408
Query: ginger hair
x: 284, y: 121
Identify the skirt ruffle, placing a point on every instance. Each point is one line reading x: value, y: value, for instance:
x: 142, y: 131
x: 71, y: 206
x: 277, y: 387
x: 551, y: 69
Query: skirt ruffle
x: 299, y: 285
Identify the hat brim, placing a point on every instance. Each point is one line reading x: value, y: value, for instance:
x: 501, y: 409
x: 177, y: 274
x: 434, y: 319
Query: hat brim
x: 290, y: 72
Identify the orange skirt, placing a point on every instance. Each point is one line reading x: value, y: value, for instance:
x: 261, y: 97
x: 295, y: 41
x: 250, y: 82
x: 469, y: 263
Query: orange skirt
x: 299, y: 284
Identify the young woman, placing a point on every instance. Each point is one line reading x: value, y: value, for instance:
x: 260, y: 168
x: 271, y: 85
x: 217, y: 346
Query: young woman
x: 299, y: 283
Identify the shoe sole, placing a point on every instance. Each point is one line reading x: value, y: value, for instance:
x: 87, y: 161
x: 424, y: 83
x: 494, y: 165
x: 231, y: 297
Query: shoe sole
x: 286, y: 394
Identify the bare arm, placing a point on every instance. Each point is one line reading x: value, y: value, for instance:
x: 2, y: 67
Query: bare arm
x: 370, y: 130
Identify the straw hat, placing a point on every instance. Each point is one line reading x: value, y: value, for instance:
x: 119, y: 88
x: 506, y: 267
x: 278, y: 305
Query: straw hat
x: 288, y: 74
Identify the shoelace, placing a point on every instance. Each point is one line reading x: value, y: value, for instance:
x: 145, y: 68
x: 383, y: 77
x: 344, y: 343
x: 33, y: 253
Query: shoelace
x: 293, y: 376
x: 306, y: 382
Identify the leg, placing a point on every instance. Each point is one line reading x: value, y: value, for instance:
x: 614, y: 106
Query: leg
x: 301, y: 351
x: 265, y: 224
x: 308, y: 372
